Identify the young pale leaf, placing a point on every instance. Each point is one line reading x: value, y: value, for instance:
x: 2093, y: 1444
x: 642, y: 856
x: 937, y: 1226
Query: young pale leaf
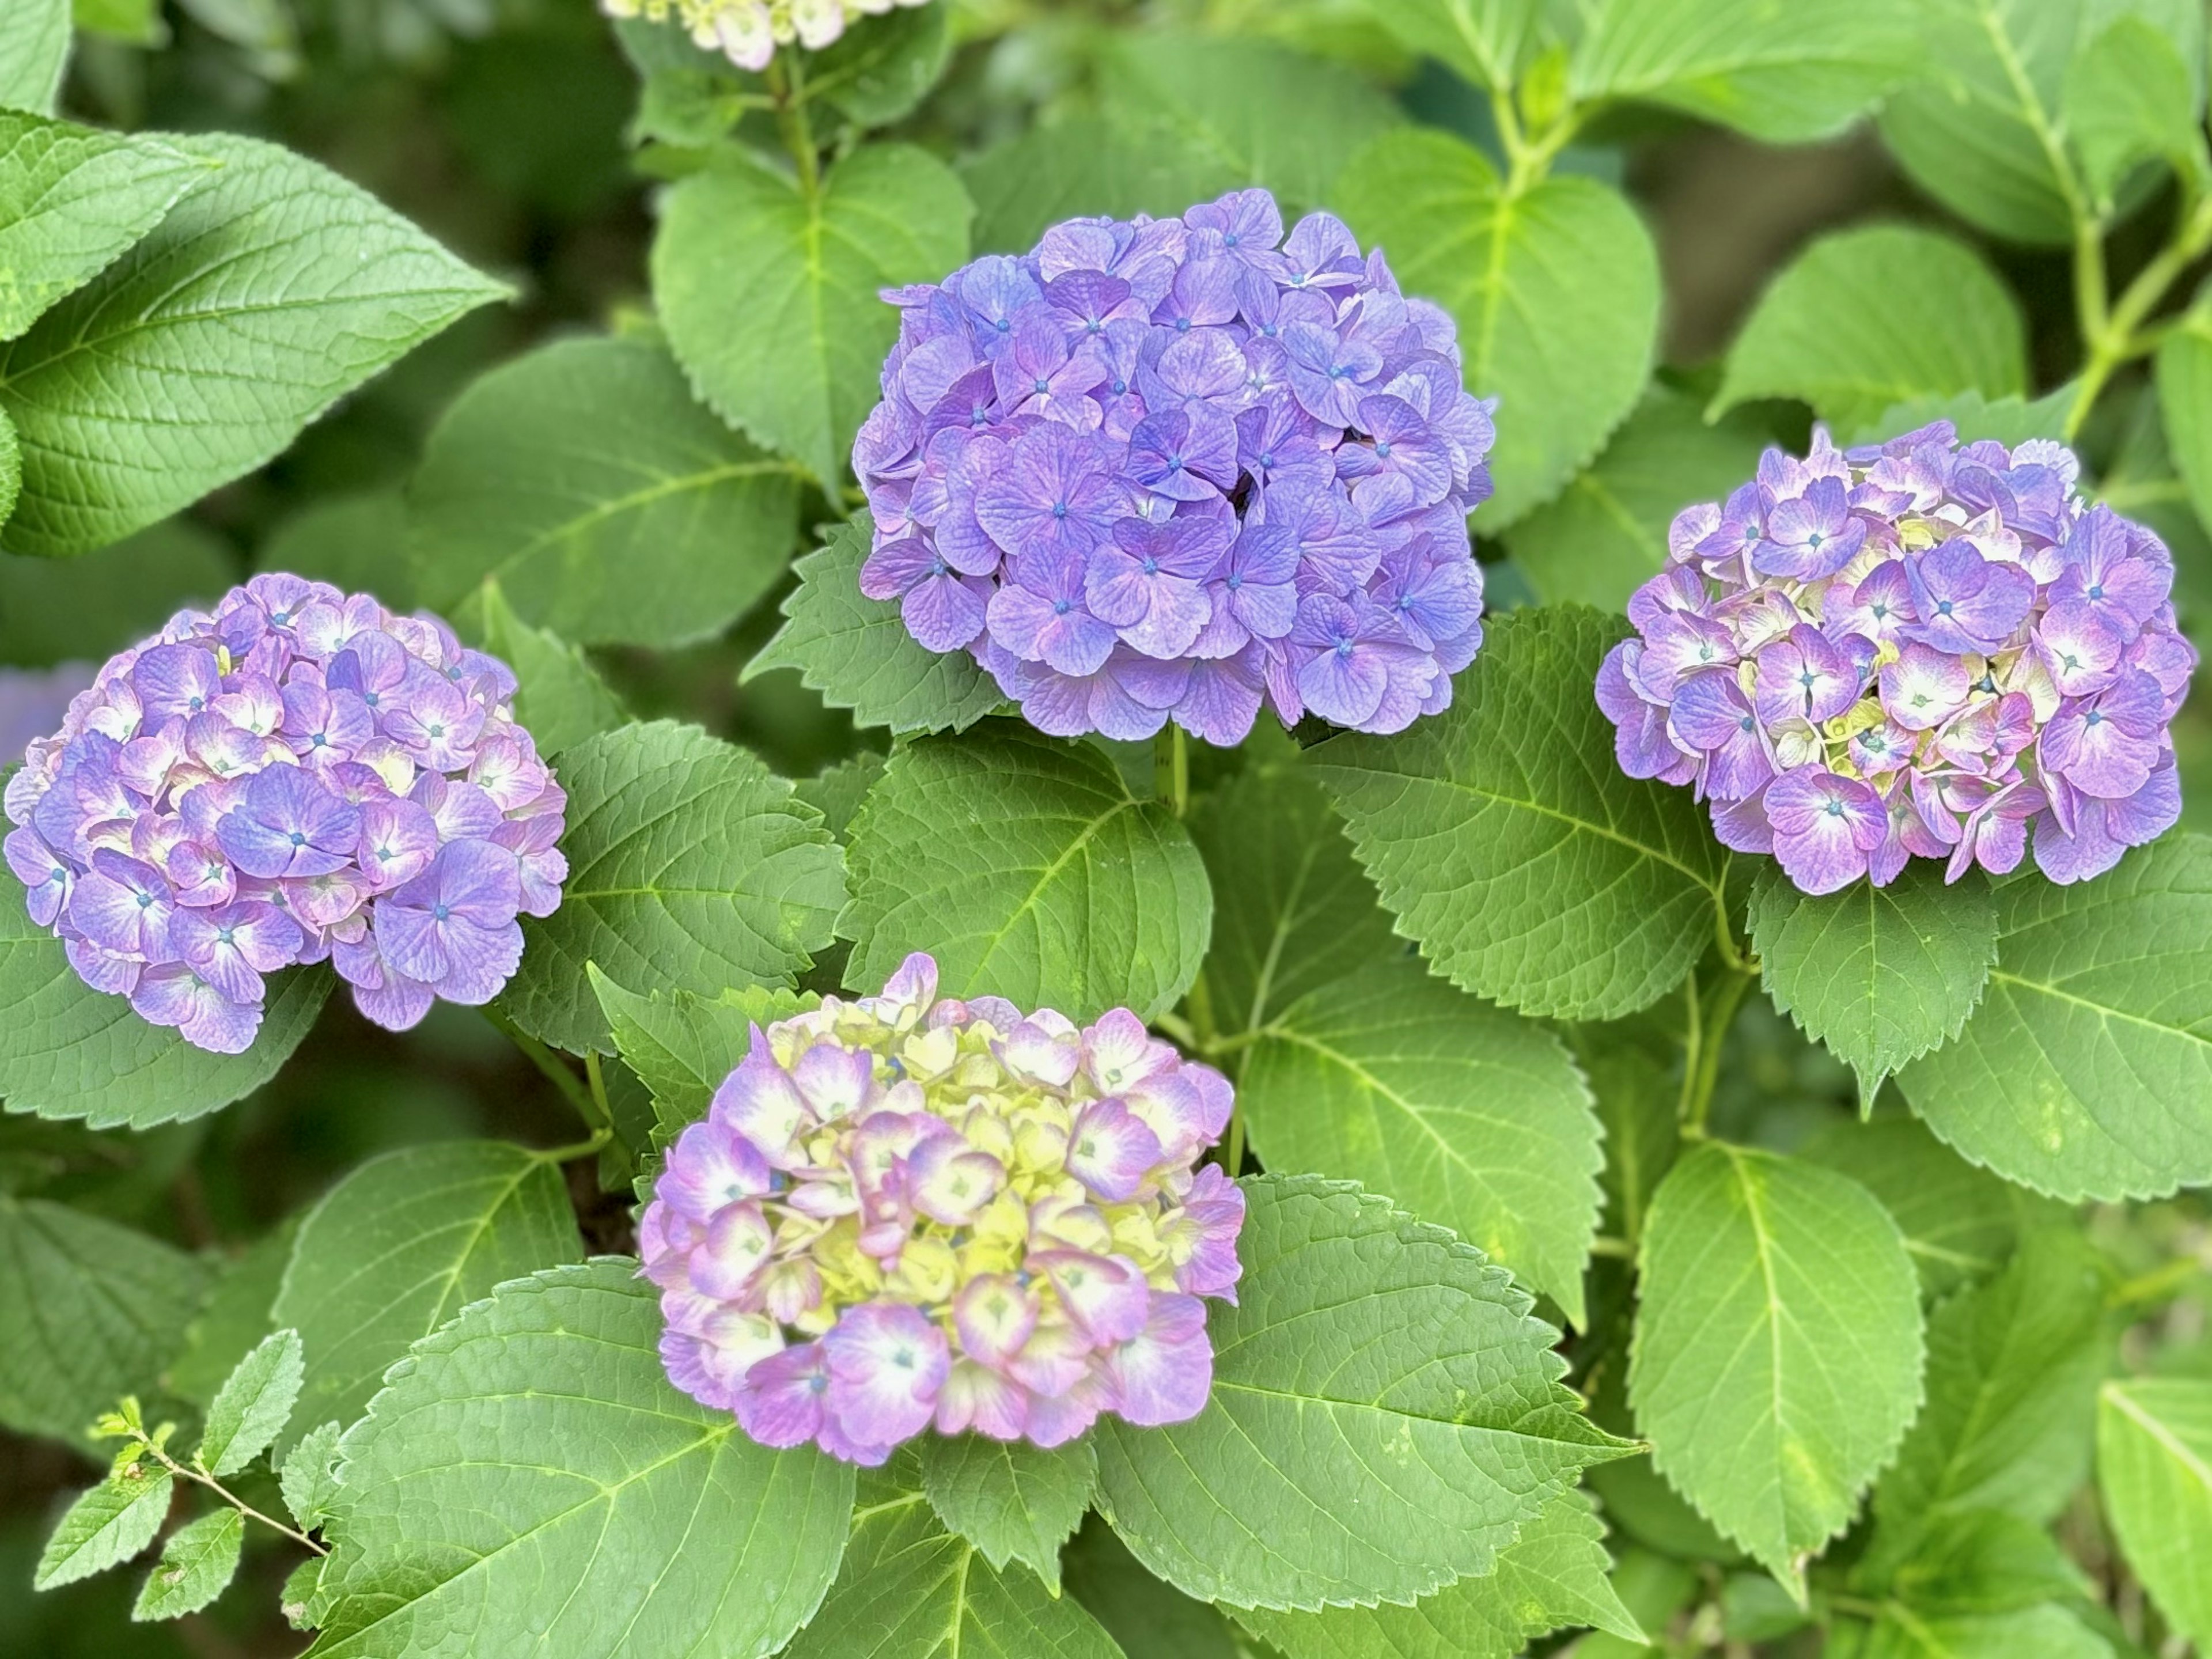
x: 1471, y: 1117
x: 2154, y: 1467
x: 1146, y: 1616
x: 768, y: 291
x: 196, y: 1565
x: 1030, y: 871
x: 691, y: 867
x: 529, y: 1483
x: 253, y: 1405
x: 1781, y: 74
x: 1486, y: 42
x: 1555, y: 289
x: 2012, y: 1367
x: 2048, y: 1632
x: 1509, y: 844
x: 1607, y: 533
x: 1553, y: 1575
x: 1978, y: 129
x: 92, y: 1311
x: 1778, y: 1348
x: 34, y: 43
x: 306, y: 1480
x: 909, y: 1590
x: 1293, y: 910
x: 269, y: 291
x: 2087, y: 1070
x: 72, y: 199
x: 561, y: 698
x: 402, y: 1244
x: 1867, y: 317
x: 1011, y: 1500
x: 1382, y: 1398
x: 111, y: 1522
x: 608, y: 505
x: 2130, y: 97
x: 1960, y: 1222
x: 1880, y: 975
x: 857, y: 653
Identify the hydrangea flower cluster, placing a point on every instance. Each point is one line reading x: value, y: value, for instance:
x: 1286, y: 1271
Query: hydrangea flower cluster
x: 748, y: 32
x: 901, y: 1212
x: 298, y: 775
x: 1914, y: 650
x: 1168, y: 468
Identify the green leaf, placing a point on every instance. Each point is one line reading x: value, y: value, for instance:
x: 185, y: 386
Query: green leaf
x: 683, y: 1046
x: 768, y: 293
x: 2154, y: 1467
x: 1553, y: 1575
x: 269, y: 291
x: 34, y: 44
x: 1972, y: 1561
x: 2087, y: 1070
x: 11, y: 469
x: 1381, y: 1397
x: 1555, y: 289
x: 253, y: 1405
x: 92, y: 1311
x: 1880, y: 975
x: 2048, y: 1632
x: 837, y: 790
x: 1469, y: 1116
x: 138, y: 22
x: 1868, y: 317
x: 1149, y: 1619
x: 1980, y: 130
x: 528, y: 1482
x: 1293, y: 910
x: 1087, y: 164
x: 691, y: 867
x: 109, y: 1524
x: 909, y: 1590
x: 1777, y: 1350
x: 2009, y: 421
x: 196, y: 1565
x: 354, y: 542
x: 1630, y: 1067
x: 2012, y: 1367
x: 1783, y: 74
x: 1487, y: 42
x: 67, y: 1050
x: 309, y: 1486
x: 609, y: 506
x: 1960, y: 1222
x: 72, y: 199
x: 1030, y: 871
x: 402, y: 1244
x: 2185, y: 398
x: 2131, y: 97
x: 1655, y: 1588
x: 881, y: 68
x: 1013, y: 1501
x: 857, y: 653
x: 561, y: 698
x: 1510, y: 847
x: 1606, y: 535
x: 231, y: 1318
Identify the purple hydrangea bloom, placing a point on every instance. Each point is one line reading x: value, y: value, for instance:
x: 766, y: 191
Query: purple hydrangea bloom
x: 1175, y: 469
x: 1914, y: 650
x: 905, y: 1211
x: 297, y: 775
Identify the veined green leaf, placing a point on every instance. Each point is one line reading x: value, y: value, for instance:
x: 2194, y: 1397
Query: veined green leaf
x: 2155, y: 1466
x: 253, y: 1405
x: 1487, y: 42
x: 196, y: 1565
x: 2130, y: 96
x: 108, y: 1523
x: 1013, y: 1500
x: 306, y: 1480
x: 34, y: 44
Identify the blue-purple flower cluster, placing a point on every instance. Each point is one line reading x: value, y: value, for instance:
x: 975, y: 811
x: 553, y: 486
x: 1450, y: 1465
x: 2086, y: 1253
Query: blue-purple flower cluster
x: 1167, y: 468
x: 301, y: 775
x: 1915, y: 649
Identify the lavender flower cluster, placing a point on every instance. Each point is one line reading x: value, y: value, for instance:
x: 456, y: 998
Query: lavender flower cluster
x: 1166, y: 469
x: 901, y: 1212
x: 1917, y: 649
x: 299, y: 775
x: 748, y: 32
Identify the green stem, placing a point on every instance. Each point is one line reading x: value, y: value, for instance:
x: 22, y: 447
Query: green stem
x: 1171, y: 769
x: 597, y: 1080
x: 2159, y: 1285
x: 1693, y: 1046
x: 1179, y: 1028
x: 2114, y: 339
x: 201, y: 1477
x: 550, y: 1064
x: 1619, y: 1248
x: 787, y: 83
x: 1232, y: 1155
x: 1712, y: 1022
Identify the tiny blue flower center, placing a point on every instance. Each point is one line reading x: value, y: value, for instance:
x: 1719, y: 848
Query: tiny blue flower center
x: 223, y: 933
x: 440, y: 912
x: 1182, y: 324
x: 1808, y: 679
x: 1266, y: 458
x: 1343, y: 647
x: 1120, y: 386
x: 1061, y: 607
x: 1059, y: 509
x: 1747, y: 723
x: 1235, y: 581
x: 320, y: 740
x: 1382, y: 448
x: 1151, y: 566
x: 298, y: 840
x: 2096, y: 591
x: 2096, y: 717
x: 1814, y: 540
x: 1835, y: 807
x: 370, y: 698
x: 1231, y: 240
x: 1942, y: 607
x: 145, y: 901
x: 1002, y: 325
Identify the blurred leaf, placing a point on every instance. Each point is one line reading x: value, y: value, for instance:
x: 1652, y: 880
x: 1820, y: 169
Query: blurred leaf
x: 1868, y: 317
x: 560, y: 698
x: 1487, y: 42
x: 608, y: 505
x: 1027, y: 868
x: 196, y: 1565
x: 1961, y: 1222
x: 35, y: 45
x: 2142, y: 483
x: 882, y: 67
x: 233, y: 1318
x: 1472, y: 1117
x: 2009, y: 421
x: 857, y: 653
x: 2155, y: 1466
x: 1555, y: 289
x: 1783, y: 74
x: 691, y: 867
x: 2131, y: 97
x: 1086, y: 165
x: 268, y: 292
x: 358, y: 544
x: 138, y: 22
x: 535, y: 1442
x: 2048, y: 1632
x: 1630, y: 1066
x: 2184, y: 397
x: 87, y: 609
x: 92, y: 1311
x: 2087, y: 1071
x: 1013, y: 1500
x: 400, y: 1246
x: 769, y: 294
x: 1144, y: 1615
x: 109, y: 1524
